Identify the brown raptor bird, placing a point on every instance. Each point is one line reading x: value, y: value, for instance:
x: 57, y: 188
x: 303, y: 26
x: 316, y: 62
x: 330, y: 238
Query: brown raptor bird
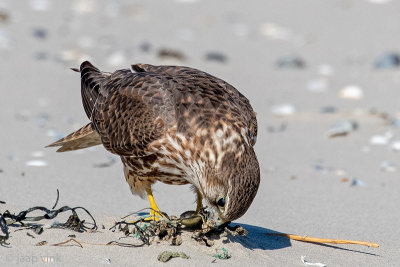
x: 176, y: 125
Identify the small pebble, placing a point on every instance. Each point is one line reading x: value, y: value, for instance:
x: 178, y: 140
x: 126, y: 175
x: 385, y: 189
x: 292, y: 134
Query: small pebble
x: 4, y: 16
x: 283, y: 110
x: 342, y: 128
x: 36, y: 163
x: 290, y: 62
x: 145, y: 47
x: 388, y: 61
x: 328, y: 109
x: 357, y: 182
x: 216, y: 56
x: 351, y: 92
x: 165, y: 53
x: 39, y: 33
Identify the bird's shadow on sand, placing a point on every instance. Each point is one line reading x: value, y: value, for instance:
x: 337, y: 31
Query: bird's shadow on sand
x: 258, y: 238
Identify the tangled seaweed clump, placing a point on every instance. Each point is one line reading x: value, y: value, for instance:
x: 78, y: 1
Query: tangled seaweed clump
x: 170, y: 228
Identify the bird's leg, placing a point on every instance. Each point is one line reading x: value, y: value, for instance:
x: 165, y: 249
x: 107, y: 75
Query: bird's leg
x: 199, y: 201
x: 155, y: 211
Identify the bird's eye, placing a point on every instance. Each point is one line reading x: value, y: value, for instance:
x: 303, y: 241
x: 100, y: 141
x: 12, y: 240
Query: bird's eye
x: 221, y: 202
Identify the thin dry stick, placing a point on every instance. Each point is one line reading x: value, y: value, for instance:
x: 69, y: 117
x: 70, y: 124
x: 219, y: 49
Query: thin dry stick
x: 69, y: 240
x: 325, y: 240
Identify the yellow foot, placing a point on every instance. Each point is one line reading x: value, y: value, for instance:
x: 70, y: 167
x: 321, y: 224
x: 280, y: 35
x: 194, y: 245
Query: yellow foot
x: 155, y: 213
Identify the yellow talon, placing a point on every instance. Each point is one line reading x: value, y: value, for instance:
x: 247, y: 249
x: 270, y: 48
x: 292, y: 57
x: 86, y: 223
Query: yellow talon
x: 155, y: 212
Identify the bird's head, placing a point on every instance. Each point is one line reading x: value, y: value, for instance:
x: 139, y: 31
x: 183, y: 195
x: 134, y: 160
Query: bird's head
x: 230, y: 189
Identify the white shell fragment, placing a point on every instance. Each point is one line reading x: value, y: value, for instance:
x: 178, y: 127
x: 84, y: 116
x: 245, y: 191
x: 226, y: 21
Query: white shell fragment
x: 381, y: 139
x: 342, y: 128
x: 351, y: 92
x: 395, y: 146
x: 36, y: 163
x: 274, y: 31
x: 307, y: 263
x: 283, y: 110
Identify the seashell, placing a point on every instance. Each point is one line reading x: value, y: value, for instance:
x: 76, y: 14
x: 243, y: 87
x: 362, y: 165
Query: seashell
x: 191, y: 219
x: 36, y: 163
x: 351, y: 92
x: 283, y: 110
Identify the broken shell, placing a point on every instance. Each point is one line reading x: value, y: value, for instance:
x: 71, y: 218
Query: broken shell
x: 351, y: 92
x: 283, y: 110
x: 191, y: 219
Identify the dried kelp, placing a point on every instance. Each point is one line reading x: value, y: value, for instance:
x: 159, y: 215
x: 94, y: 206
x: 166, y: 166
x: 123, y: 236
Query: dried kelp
x: 23, y: 219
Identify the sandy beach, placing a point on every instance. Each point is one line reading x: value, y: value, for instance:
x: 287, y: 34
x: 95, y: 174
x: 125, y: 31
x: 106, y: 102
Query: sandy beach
x: 323, y: 77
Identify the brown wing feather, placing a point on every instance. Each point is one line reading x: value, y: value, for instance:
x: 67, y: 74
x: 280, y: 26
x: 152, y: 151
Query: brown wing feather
x: 82, y: 138
x: 130, y: 109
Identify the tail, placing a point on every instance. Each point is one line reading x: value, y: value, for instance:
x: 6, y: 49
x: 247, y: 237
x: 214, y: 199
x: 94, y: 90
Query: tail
x: 82, y: 138
x: 91, y: 82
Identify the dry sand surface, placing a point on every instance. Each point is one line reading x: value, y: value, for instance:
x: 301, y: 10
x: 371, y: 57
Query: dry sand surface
x: 305, y: 66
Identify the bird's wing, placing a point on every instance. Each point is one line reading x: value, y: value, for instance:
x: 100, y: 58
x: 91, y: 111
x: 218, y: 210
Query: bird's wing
x: 128, y: 110
x: 206, y: 99
x: 82, y: 138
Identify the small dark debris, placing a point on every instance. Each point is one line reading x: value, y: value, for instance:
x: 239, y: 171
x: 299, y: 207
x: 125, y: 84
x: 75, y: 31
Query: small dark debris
x: 145, y: 47
x: 39, y: 33
x: 328, y: 110
x: 170, y: 53
x: 41, y: 243
x: 4, y: 16
x: 30, y: 235
x: 216, y: 56
x: 387, y: 61
x: 2, y: 202
x: 290, y: 62
x: 37, y: 229
x: 72, y: 236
